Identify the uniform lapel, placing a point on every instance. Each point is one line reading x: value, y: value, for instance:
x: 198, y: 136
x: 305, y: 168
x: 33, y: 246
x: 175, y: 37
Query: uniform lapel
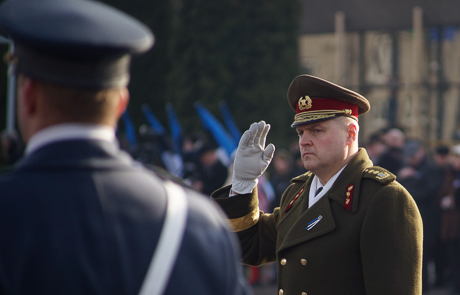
x: 314, y: 222
x: 346, y: 189
x: 302, y: 225
x: 297, y: 205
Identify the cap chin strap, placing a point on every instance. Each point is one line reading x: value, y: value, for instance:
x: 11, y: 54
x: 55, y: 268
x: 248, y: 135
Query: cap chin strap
x: 304, y: 118
x: 168, y: 247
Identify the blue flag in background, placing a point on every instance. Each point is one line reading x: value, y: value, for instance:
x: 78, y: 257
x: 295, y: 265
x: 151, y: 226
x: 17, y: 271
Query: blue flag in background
x: 231, y: 126
x: 171, y: 160
x: 130, y: 130
x: 153, y: 121
x: 176, y: 129
x: 222, y: 137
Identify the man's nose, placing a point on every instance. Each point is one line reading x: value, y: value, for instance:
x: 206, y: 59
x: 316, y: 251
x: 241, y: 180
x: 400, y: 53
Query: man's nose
x: 305, y: 140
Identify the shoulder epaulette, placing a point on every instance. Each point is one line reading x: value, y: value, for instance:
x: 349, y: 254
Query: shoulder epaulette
x: 302, y: 177
x: 379, y: 174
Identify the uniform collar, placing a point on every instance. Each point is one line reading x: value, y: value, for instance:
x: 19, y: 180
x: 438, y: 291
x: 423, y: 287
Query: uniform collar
x: 347, y: 185
x: 316, y: 184
x: 346, y: 189
x: 69, y: 131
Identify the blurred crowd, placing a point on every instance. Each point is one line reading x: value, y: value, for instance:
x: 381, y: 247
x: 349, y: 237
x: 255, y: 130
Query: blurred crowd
x: 430, y: 174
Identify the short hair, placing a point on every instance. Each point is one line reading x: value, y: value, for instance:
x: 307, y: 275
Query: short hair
x: 285, y: 156
x: 346, y: 121
x: 81, y: 104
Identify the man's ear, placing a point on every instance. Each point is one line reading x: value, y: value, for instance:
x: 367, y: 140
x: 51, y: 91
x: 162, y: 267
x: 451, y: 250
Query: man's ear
x: 123, y: 102
x: 28, y: 93
x: 352, y: 133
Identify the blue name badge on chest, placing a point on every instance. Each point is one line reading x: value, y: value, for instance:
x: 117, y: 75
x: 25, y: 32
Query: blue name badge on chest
x: 314, y: 222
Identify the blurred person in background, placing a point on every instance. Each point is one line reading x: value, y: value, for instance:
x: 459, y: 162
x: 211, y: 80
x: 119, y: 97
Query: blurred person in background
x: 442, y: 160
x: 392, y: 158
x: 422, y: 178
x: 449, y: 203
x: 375, y: 148
x: 281, y: 175
x: 211, y: 173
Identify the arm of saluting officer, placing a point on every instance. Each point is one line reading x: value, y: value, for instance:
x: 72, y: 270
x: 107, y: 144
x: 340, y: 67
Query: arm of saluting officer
x: 251, y: 160
x: 391, y: 243
x: 256, y: 230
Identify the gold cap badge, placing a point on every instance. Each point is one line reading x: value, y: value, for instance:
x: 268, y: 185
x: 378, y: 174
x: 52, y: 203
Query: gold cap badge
x: 305, y: 103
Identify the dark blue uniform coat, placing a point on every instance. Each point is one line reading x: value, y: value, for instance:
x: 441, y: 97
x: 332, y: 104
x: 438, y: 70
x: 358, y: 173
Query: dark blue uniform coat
x: 77, y: 217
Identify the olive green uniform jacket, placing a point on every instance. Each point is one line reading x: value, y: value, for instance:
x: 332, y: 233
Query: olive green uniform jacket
x: 364, y: 236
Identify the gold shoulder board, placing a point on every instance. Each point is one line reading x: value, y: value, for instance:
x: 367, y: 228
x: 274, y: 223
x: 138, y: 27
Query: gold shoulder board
x: 379, y: 174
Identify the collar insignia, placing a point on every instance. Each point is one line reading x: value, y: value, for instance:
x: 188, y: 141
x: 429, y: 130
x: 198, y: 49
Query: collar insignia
x: 349, y: 197
x: 293, y: 200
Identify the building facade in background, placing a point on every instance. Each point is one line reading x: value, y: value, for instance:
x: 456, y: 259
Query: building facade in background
x: 410, y: 72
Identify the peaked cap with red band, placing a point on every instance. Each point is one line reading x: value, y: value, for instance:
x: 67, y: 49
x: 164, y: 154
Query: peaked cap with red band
x: 315, y: 99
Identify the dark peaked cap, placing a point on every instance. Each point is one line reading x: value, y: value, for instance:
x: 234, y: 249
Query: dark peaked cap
x: 316, y: 99
x: 73, y: 42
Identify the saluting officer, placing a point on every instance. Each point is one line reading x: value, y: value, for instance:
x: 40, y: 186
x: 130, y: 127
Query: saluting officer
x: 344, y: 227
x: 77, y: 216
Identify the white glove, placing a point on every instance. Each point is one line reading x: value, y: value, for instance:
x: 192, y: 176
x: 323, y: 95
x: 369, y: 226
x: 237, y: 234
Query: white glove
x: 252, y: 158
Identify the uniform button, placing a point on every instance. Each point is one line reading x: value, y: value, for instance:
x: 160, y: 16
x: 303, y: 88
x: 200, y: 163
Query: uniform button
x: 303, y: 261
x: 281, y: 292
x: 283, y: 261
x: 303, y: 293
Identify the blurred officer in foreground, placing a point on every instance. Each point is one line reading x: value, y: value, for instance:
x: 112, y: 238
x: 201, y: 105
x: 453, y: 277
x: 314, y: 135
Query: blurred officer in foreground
x: 345, y: 227
x: 77, y: 216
